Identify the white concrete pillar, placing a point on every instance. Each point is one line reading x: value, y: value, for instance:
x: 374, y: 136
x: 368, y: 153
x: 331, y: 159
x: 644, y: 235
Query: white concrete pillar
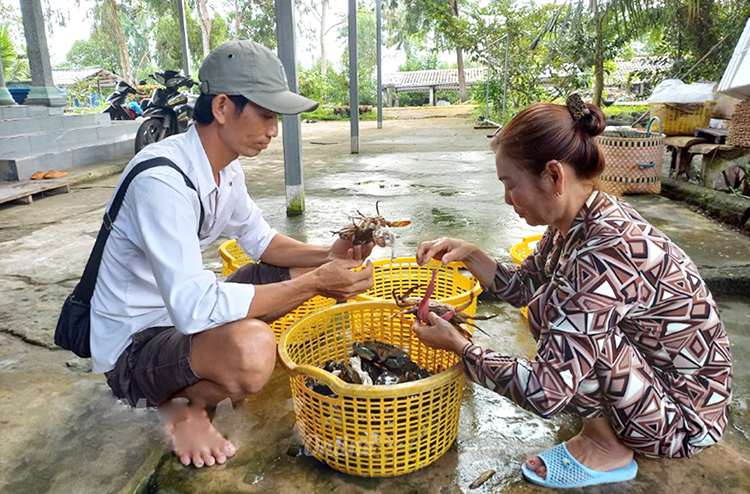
x: 43, y: 91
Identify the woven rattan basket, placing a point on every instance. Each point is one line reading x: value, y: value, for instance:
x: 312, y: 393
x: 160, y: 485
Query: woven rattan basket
x: 682, y: 119
x: 371, y: 431
x: 633, y: 161
x: 454, y: 284
x: 233, y: 257
x: 739, y: 130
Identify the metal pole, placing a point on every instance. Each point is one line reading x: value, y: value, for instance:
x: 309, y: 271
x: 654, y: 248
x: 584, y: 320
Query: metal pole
x: 183, y: 37
x: 487, y: 94
x: 353, y: 77
x: 290, y: 124
x: 379, y: 41
x: 505, y: 75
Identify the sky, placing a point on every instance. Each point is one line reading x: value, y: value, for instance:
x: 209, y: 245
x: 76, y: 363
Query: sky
x: 78, y: 26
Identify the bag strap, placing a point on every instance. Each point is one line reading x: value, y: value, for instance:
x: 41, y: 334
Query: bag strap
x: 85, y: 288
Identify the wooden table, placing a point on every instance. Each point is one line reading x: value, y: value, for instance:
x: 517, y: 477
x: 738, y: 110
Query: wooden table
x: 683, y: 149
x: 24, y: 190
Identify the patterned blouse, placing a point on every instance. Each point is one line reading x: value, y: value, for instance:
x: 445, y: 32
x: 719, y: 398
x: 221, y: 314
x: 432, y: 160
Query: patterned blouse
x: 614, y: 277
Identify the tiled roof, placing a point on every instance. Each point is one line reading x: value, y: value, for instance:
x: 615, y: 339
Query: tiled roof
x: 626, y: 67
x: 424, y: 79
x: 66, y: 77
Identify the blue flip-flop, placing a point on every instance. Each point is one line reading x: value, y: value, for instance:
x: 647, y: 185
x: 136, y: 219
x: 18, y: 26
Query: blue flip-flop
x: 565, y: 472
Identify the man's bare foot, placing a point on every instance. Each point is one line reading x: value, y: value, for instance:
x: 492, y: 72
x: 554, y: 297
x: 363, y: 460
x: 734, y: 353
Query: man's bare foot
x: 194, y: 438
x: 594, y: 447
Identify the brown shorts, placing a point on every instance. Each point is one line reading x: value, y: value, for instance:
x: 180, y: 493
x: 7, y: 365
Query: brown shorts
x: 156, y: 365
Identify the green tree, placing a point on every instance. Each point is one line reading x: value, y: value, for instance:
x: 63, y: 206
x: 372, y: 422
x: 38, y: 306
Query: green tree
x: 168, y: 49
x: 167, y: 38
x: 204, y: 21
x: 406, y: 23
x: 693, y: 29
x: 108, y: 17
x: 255, y: 20
x: 12, y: 46
x: 91, y: 52
x: 415, y: 21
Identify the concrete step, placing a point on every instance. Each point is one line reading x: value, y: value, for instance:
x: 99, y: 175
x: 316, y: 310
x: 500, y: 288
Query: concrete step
x: 33, y: 125
x: 23, y: 168
x: 23, y: 111
x: 20, y: 146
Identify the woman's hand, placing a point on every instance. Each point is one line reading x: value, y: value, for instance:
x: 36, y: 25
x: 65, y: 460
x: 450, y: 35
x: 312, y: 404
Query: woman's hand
x: 445, y: 249
x: 448, y: 249
x: 441, y: 334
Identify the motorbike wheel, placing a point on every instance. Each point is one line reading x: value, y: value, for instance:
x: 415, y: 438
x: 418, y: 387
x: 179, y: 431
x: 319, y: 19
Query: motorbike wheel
x: 148, y: 133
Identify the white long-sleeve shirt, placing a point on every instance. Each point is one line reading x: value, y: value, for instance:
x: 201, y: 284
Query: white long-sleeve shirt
x: 152, y: 272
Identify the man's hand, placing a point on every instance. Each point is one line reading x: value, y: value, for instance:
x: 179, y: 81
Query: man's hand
x: 336, y: 280
x: 445, y: 249
x: 441, y: 334
x: 345, y: 249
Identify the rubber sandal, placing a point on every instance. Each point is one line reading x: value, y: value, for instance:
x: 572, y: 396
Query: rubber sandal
x: 55, y: 174
x: 565, y: 472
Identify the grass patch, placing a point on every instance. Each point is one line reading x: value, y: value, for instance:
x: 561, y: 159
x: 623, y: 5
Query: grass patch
x: 615, y: 110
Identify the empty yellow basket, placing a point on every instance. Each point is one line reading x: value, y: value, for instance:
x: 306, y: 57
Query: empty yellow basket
x: 370, y: 431
x: 233, y: 257
x: 452, y: 286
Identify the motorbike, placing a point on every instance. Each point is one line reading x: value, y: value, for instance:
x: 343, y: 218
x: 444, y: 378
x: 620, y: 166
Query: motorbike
x: 168, y: 111
x: 118, y: 109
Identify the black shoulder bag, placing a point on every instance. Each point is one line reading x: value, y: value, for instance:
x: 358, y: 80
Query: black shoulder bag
x: 74, y: 325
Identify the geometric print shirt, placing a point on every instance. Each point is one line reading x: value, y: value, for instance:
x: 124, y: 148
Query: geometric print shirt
x: 613, y: 276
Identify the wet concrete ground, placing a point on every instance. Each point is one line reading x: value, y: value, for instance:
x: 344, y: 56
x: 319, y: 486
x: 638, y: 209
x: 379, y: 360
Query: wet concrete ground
x: 64, y: 432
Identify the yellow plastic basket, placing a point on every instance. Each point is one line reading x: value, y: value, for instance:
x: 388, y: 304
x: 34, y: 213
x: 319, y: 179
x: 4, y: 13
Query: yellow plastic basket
x: 682, y: 119
x: 370, y: 431
x: 451, y: 285
x: 524, y: 248
x: 233, y: 257
x: 521, y: 251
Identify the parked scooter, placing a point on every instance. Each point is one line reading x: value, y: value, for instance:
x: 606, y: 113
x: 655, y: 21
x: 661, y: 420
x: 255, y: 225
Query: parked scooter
x: 118, y: 109
x: 169, y: 110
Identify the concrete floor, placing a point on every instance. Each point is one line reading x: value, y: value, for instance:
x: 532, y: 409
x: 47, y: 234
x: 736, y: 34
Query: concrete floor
x: 64, y: 432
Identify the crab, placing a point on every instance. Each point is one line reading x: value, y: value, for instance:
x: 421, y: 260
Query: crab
x: 372, y: 363
x: 387, y: 364
x: 366, y: 229
x: 421, y: 308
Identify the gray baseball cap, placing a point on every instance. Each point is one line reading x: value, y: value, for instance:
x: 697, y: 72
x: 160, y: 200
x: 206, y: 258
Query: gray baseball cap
x: 249, y: 69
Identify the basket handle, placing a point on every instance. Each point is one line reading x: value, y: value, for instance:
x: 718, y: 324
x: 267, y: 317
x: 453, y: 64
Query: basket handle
x: 333, y: 382
x: 648, y: 127
x: 650, y: 164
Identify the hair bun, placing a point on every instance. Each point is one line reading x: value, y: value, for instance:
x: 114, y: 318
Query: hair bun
x: 593, y: 123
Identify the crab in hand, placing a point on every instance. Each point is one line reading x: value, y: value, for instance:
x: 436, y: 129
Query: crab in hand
x: 375, y: 229
x: 421, y: 308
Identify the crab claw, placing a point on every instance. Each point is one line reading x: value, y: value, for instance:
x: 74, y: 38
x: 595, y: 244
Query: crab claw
x: 423, y: 311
